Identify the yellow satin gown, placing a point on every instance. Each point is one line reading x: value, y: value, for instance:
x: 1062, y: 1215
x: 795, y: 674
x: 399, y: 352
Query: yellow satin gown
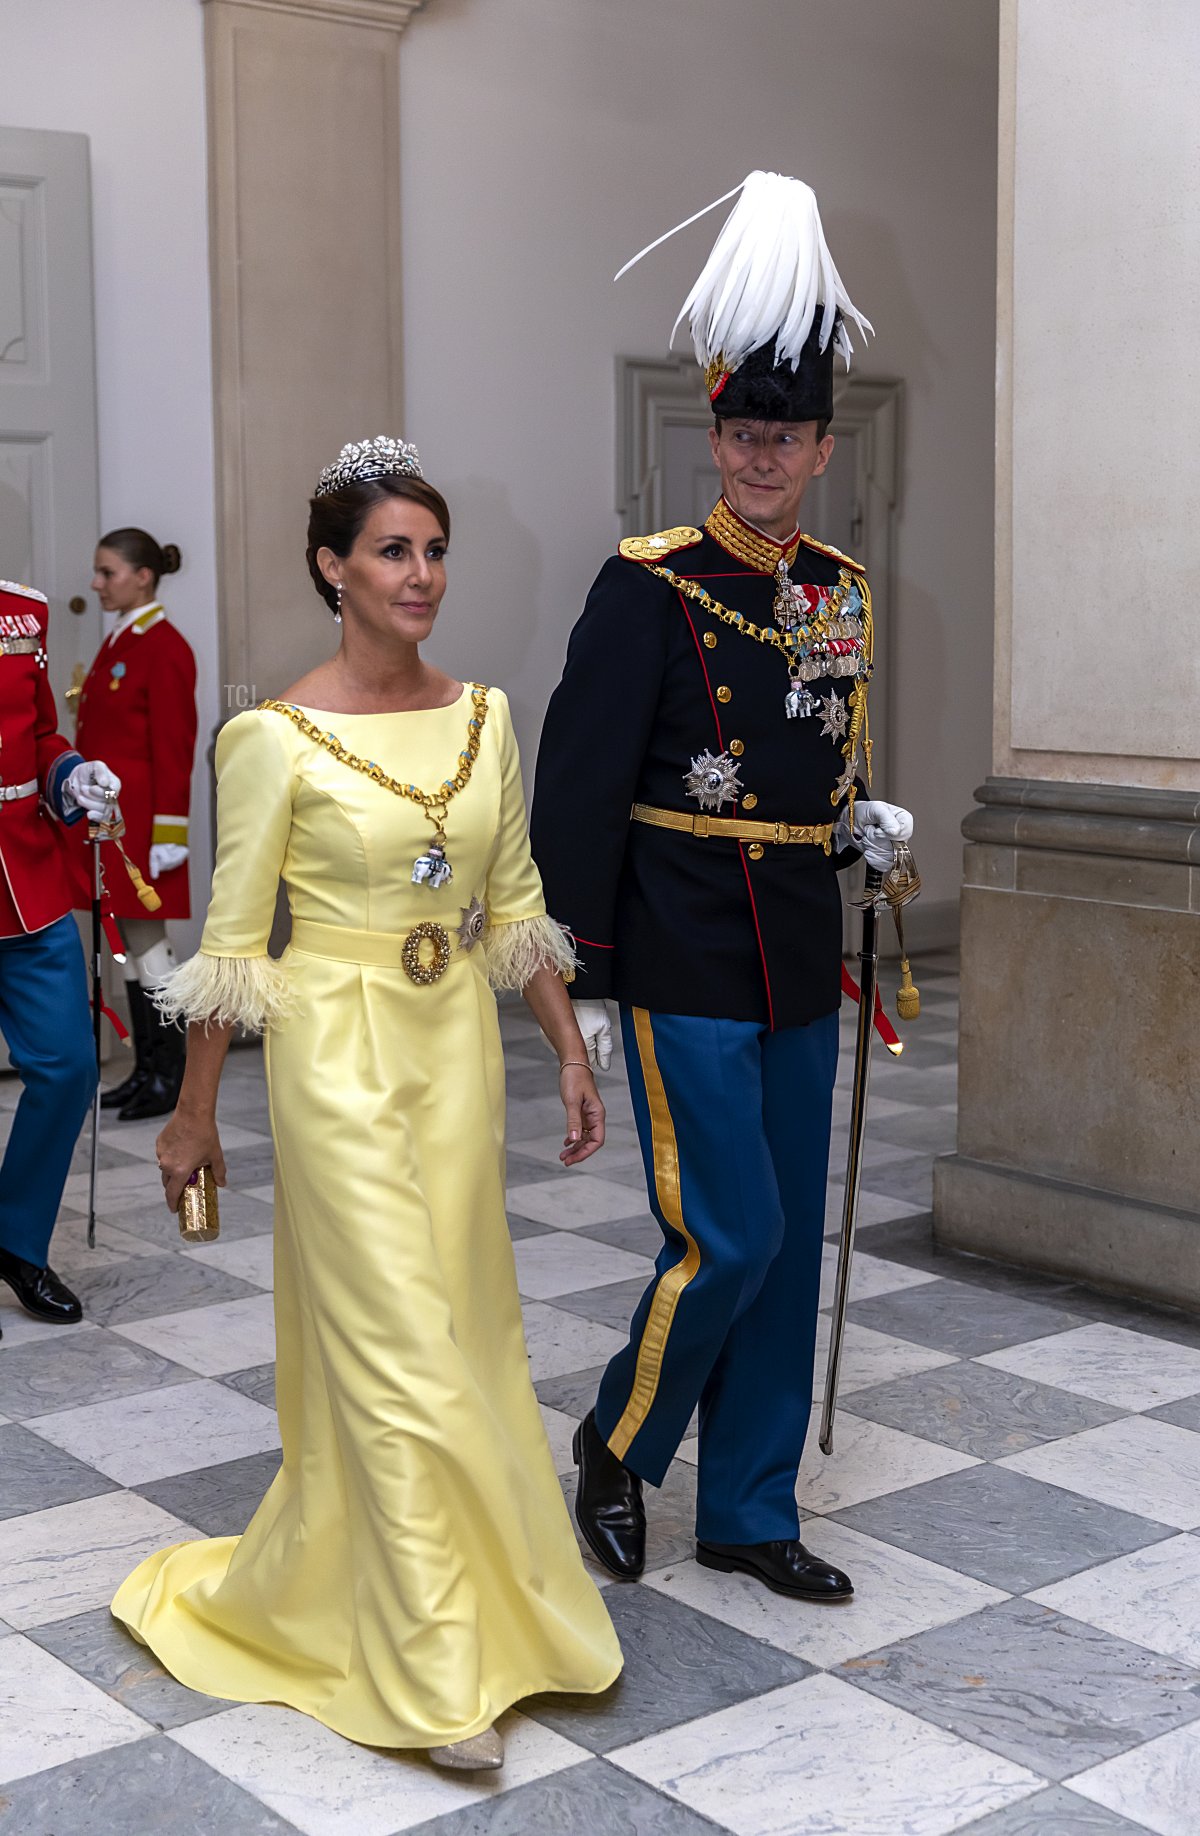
x: 412, y: 1570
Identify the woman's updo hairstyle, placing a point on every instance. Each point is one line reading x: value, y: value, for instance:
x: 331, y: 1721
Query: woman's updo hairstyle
x: 141, y: 550
x: 336, y: 518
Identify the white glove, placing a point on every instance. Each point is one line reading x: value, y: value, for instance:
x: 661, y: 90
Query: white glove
x: 592, y: 1019
x: 164, y: 856
x: 877, y: 828
x: 85, y: 787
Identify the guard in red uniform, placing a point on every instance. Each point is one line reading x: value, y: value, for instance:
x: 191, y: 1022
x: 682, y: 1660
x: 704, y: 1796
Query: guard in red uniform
x: 44, y: 1014
x: 138, y: 708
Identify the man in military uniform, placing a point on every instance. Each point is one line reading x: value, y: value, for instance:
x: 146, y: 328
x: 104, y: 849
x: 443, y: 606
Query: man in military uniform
x: 697, y: 791
x: 43, y: 981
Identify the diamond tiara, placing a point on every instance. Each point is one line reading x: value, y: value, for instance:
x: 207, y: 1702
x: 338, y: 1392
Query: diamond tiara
x: 361, y: 459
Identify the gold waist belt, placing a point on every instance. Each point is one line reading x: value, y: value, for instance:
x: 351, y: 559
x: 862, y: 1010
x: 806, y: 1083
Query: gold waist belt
x: 424, y: 953
x: 819, y: 835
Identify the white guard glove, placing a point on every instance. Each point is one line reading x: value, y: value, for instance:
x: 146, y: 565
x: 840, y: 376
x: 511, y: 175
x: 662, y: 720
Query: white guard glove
x: 877, y: 827
x: 86, y: 785
x: 164, y: 856
x: 592, y: 1019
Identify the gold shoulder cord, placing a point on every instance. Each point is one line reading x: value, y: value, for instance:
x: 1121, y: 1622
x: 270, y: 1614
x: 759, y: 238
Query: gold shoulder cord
x: 785, y: 641
x: 435, y: 806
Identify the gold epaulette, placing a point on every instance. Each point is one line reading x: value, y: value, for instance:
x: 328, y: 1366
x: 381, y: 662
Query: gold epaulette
x: 835, y: 554
x: 655, y: 547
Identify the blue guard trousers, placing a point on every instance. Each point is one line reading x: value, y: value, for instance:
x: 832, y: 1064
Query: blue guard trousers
x: 734, y: 1125
x: 46, y: 1021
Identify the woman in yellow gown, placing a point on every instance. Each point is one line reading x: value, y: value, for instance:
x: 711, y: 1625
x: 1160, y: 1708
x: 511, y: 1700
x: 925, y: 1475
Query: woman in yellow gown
x: 412, y: 1570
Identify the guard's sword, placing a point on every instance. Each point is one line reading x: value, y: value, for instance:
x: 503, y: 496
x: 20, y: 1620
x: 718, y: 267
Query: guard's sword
x: 98, y: 831
x: 902, y: 884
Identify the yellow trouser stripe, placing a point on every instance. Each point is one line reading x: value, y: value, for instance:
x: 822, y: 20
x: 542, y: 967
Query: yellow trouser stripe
x: 671, y: 1285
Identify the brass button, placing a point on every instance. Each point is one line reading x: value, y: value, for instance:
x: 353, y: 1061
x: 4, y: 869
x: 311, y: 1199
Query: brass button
x: 710, y: 640
x: 737, y: 748
x: 755, y: 851
x: 749, y: 801
x: 724, y: 694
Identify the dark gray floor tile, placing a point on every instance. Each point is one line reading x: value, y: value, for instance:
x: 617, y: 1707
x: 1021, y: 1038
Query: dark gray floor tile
x: 641, y: 1236
x: 527, y: 1170
x: 1057, y: 1812
x: 1046, y: 1691
x: 611, y: 1305
x: 1185, y: 1414
x: 35, y: 1475
x: 909, y: 1180
x: 251, y: 1166
x: 1003, y: 1528
x: 1135, y: 1315
x: 934, y: 1086
x: 240, y: 1216
x: 145, y: 1286
x: 219, y: 1500
x: 520, y: 1228
x: 955, y: 1316
x: 574, y: 1394
x: 594, y: 1799
x: 106, y: 1654
x: 152, y: 1785
x: 80, y: 1367
x: 929, y: 1130
x: 257, y: 1382
x: 627, y: 1176
x: 980, y: 1411
x: 910, y: 1241
x: 109, y: 1154
x: 678, y: 1664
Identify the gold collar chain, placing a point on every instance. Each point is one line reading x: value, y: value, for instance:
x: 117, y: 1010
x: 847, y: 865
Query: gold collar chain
x: 749, y: 545
x: 435, y: 806
x: 788, y: 641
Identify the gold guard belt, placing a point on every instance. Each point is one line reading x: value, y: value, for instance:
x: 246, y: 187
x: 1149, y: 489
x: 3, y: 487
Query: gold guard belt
x: 820, y: 835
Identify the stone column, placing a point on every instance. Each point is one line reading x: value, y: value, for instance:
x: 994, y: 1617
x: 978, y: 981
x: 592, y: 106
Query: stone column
x: 1078, y: 1144
x: 304, y: 165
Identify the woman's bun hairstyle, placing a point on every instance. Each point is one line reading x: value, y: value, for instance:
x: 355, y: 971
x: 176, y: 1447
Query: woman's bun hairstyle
x: 141, y: 550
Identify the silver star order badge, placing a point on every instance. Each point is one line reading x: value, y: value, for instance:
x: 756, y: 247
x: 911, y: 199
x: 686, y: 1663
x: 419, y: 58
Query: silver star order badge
x: 474, y: 919
x: 713, y: 781
x: 835, y: 715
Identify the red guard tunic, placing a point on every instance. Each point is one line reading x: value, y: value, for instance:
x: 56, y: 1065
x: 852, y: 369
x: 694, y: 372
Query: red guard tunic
x: 35, y: 760
x: 137, y: 712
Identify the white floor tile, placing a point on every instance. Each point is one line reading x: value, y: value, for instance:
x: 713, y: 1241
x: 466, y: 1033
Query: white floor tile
x: 873, y: 1207
x: 618, y: 1137
x: 561, y: 1263
x: 821, y: 1756
x: 228, y: 1336
x: 114, y: 1186
x: 1156, y: 1786
x: 249, y: 1258
x: 870, y: 1357
x: 19, y: 1329
x: 70, y: 1255
x: 159, y: 1433
x: 266, y: 1194
x: 139, y: 1137
x: 896, y: 1595
x: 1149, y: 1467
x: 327, y: 1786
x: 868, y: 1460
x: 1151, y: 1597
x: 49, y: 1715
x: 869, y: 1276
x: 560, y: 1342
x: 586, y: 1198
x: 1110, y: 1364
x: 74, y: 1557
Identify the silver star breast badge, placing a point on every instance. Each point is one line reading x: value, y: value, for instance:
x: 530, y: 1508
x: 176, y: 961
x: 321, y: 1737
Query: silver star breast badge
x: 835, y: 715
x: 474, y: 918
x: 713, y: 781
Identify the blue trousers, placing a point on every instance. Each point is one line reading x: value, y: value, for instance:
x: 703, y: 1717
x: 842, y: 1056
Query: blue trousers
x: 46, y: 1021
x: 734, y: 1126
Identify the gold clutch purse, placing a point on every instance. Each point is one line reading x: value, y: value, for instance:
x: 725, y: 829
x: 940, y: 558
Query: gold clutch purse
x: 199, y: 1220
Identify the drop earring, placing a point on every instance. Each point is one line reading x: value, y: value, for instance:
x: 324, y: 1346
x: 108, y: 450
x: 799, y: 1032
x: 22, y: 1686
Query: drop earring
x: 337, y: 610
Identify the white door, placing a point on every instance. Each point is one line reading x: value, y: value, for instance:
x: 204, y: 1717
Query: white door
x: 49, y: 502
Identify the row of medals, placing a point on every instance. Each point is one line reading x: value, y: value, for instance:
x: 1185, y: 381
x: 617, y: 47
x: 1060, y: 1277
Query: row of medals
x: 838, y: 653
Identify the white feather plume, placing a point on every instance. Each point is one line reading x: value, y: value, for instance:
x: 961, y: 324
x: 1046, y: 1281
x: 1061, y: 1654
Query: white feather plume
x: 769, y: 270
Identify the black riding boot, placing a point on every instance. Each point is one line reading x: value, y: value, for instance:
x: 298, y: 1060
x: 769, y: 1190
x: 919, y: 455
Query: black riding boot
x: 160, y: 1093
x: 141, y: 1021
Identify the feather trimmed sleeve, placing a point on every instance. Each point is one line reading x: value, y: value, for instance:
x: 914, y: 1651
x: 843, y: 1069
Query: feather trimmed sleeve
x: 520, y: 938
x: 232, y: 980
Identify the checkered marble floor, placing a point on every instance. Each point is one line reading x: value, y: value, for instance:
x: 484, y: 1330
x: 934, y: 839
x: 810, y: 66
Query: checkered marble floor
x: 1015, y: 1489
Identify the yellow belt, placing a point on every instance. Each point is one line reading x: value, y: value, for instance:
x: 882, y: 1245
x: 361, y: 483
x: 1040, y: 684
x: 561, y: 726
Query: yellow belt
x: 424, y: 953
x: 820, y: 835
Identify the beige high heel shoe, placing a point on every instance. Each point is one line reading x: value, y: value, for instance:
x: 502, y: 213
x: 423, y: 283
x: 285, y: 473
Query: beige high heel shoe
x: 480, y: 1753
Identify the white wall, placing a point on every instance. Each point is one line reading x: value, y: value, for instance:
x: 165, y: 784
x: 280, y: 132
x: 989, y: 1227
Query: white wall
x: 544, y: 141
x: 131, y: 77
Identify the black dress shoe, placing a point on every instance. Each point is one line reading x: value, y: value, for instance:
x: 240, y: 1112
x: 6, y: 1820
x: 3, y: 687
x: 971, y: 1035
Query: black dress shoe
x: 786, y: 1568
x: 608, y: 1505
x: 39, y: 1291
